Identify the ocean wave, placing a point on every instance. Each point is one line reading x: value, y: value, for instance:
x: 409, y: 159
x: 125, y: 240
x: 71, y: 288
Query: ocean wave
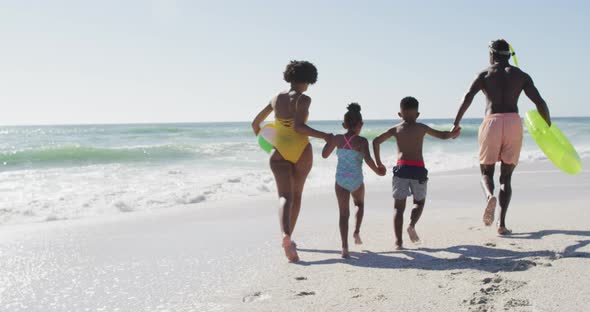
x: 79, y: 155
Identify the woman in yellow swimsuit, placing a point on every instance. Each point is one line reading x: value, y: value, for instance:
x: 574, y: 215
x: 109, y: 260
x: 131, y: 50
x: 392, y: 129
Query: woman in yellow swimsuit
x: 292, y: 158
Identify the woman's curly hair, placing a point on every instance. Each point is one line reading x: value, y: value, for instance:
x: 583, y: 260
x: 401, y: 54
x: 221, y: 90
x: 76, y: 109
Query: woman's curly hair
x: 300, y: 72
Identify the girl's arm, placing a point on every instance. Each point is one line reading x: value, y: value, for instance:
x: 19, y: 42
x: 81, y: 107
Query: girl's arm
x: 261, y: 117
x: 368, y: 160
x: 443, y: 135
x: 329, y: 147
x: 377, y: 144
x: 301, y: 117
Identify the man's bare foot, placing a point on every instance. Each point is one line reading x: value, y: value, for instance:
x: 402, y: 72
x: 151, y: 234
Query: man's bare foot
x: 488, y: 215
x: 357, y: 239
x: 502, y: 230
x: 290, y: 249
x: 345, y: 253
x: 413, y: 235
x: 399, y: 246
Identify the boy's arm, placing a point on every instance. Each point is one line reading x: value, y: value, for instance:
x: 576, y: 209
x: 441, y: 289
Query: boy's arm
x: 444, y: 135
x: 476, y: 86
x: 532, y: 93
x: 369, y: 160
x: 380, y: 139
x: 329, y: 147
x: 261, y: 117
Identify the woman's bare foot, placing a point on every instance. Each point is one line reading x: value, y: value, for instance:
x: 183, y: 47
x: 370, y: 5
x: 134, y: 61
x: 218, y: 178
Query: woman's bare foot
x: 290, y: 249
x: 345, y: 253
x: 413, y: 235
x: 488, y: 215
x: 357, y: 239
x: 502, y: 230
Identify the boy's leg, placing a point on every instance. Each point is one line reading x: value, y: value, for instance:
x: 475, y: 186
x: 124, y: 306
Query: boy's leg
x: 414, y: 217
x: 358, y: 197
x: 398, y: 221
x: 505, y: 195
x: 343, y: 197
x: 487, y: 184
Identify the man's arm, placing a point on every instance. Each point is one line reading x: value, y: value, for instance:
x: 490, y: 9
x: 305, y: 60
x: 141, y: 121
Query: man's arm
x: 532, y: 93
x: 476, y: 86
x: 377, y: 144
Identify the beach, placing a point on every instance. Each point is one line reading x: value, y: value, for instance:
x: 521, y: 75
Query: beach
x: 225, y: 255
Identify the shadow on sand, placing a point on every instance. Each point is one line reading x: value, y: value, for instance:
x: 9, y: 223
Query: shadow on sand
x: 481, y: 258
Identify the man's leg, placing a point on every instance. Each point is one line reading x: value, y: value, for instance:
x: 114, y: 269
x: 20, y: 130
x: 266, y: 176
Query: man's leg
x: 487, y: 184
x: 505, y: 195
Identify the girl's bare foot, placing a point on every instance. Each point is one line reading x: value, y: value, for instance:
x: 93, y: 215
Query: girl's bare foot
x: 488, y: 215
x: 357, y: 239
x: 413, y: 235
x: 502, y: 230
x: 290, y: 249
x: 345, y: 253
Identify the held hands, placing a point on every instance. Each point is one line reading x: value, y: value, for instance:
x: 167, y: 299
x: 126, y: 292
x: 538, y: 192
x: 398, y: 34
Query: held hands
x: 456, y: 131
x: 382, y: 171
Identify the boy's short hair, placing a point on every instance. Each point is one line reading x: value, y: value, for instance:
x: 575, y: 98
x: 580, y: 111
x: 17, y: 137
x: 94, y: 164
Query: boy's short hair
x: 408, y: 103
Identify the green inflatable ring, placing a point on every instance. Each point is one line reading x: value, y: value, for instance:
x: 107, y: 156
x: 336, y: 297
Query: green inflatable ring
x: 553, y: 143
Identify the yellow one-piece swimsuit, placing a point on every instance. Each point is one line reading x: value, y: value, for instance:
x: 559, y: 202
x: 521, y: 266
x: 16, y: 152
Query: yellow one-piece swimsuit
x: 288, y: 142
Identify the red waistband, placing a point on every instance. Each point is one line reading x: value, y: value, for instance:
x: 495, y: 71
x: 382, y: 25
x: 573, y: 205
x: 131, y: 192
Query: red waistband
x: 415, y: 163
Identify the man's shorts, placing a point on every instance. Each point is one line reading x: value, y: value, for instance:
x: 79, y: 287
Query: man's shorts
x: 500, y: 139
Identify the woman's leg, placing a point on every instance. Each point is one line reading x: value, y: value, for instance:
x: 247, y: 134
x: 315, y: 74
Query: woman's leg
x: 300, y: 173
x: 283, y: 173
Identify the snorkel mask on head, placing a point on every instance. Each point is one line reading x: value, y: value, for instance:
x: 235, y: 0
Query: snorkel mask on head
x: 509, y: 52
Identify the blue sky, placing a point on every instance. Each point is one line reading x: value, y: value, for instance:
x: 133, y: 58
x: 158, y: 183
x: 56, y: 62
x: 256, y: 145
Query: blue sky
x: 184, y: 61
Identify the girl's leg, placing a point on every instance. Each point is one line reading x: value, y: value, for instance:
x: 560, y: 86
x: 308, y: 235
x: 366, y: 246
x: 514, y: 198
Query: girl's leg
x: 343, y: 197
x: 358, y: 197
x: 302, y: 169
x: 283, y: 173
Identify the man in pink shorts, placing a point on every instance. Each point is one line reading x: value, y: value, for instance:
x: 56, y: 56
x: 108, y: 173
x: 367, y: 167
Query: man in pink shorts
x: 500, y: 134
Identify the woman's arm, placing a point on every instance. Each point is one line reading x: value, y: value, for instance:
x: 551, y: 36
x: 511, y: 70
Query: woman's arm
x: 301, y: 117
x: 369, y: 160
x: 261, y: 117
x: 329, y: 148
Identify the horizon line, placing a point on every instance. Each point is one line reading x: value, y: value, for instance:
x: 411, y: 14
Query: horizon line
x: 217, y: 122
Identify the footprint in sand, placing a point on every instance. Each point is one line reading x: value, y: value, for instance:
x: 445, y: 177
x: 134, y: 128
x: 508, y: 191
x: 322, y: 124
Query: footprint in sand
x: 490, y: 244
x: 515, y: 303
x: 306, y: 293
x: 257, y: 296
x: 301, y: 278
x: 483, y: 300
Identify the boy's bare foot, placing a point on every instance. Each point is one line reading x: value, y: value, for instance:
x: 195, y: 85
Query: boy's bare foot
x: 357, y: 239
x: 488, y: 215
x: 290, y: 249
x: 345, y: 253
x: 413, y: 235
x: 502, y: 230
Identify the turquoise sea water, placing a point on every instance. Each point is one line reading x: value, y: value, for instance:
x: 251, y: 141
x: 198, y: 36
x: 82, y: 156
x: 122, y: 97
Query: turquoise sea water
x: 57, y: 172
